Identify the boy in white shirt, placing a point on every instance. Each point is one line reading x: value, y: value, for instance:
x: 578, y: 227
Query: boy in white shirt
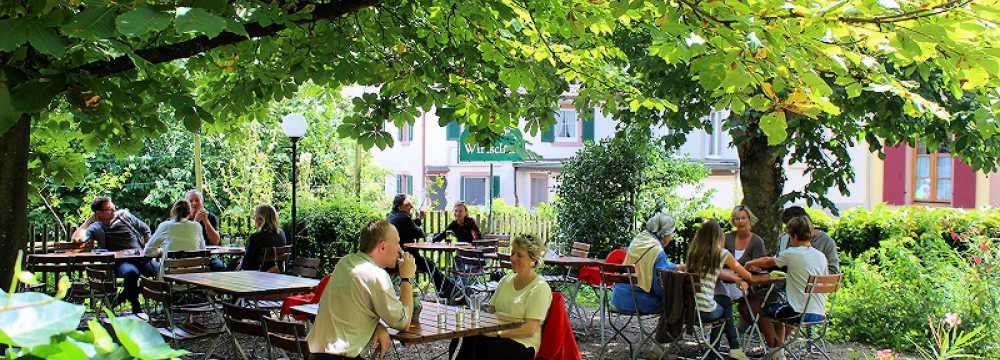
x: 802, y: 261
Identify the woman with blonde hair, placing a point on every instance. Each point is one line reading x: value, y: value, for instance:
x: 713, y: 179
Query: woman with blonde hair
x: 523, y: 297
x: 745, y: 246
x: 706, y: 258
x: 269, y: 234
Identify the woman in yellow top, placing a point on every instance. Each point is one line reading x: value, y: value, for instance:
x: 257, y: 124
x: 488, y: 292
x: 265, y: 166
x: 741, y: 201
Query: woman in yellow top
x: 521, y: 297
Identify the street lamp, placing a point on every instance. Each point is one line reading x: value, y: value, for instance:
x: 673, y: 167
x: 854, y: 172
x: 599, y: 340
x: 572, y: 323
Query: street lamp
x: 294, y: 125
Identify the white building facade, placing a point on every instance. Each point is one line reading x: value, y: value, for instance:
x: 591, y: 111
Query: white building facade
x: 427, y: 161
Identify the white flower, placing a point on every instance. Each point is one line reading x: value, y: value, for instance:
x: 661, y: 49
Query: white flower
x: 952, y: 320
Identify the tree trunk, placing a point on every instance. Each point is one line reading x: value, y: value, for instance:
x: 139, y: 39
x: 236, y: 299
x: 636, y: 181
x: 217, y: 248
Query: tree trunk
x: 762, y: 178
x: 14, y: 196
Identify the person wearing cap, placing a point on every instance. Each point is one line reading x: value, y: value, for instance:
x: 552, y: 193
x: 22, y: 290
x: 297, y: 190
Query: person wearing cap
x: 646, y: 252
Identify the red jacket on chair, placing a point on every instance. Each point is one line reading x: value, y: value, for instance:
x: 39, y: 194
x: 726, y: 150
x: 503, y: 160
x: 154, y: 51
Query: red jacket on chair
x: 558, y: 342
x: 310, y: 298
x: 591, y: 275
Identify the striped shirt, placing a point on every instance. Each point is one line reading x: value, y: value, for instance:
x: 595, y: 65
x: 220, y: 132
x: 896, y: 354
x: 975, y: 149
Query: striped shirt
x: 705, y: 298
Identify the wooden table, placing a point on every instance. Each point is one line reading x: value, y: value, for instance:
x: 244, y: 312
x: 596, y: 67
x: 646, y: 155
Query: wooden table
x: 437, y: 246
x: 427, y: 330
x: 245, y: 283
x: 573, y: 261
x: 135, y: 253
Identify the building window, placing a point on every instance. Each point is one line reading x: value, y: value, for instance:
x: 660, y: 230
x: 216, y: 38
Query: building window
x: 539, y: 190
x: 932, y: 174
x: 404, y: 184
x: 405, y: 134
x: 714, y: 137
x: 474, y: 190
x: 566, y: 125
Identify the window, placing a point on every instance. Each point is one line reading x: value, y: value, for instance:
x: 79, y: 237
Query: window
x: 474, y: 190
x: 566, y: 126
x: 454, y: 131
x: 932, y: 174
x: 714, y: 137
x: 405, y: 134
x: 539, y: 190
x: 404, y: 184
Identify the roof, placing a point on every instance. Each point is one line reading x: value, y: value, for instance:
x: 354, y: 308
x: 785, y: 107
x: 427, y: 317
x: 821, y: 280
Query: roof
x: 539, y: 165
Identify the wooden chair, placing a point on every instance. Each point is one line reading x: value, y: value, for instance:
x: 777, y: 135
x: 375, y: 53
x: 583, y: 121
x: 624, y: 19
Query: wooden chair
x: 812, y: 334
x: 625, y: 274
x: 471, y: 273
x: 246, y: 321
x: 162, y: 292
x: 486, y: 243
x: 70, y: 247
x: 47, y: 266
x: 278, y: 255
x: 79, y: 288
x: 305, y: 267
x: 287, y: 335
x: 185, y: 266
x: 578, y: 249
x: 103, y: 288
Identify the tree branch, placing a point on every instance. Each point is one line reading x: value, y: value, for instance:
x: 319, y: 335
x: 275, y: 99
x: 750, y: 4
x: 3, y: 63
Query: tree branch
x: 200, y: 44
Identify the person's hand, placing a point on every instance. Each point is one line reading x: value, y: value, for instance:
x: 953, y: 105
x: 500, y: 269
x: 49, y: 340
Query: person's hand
x: 682, y: 267
x: 753, y: 268
x: 381, y: 341
x: 408, y: 268
x: 743, y: 285
x: 421, y: 214
x: 201, y: 215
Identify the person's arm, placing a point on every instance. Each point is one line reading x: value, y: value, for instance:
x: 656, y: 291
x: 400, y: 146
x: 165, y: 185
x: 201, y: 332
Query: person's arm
x: 250, y: 254
x: 829, y: 248
x: 476, y: 234
x: 734, y: 265
x: 80, y: 234
x: 200, y: 238
x: 441, y: 235
x: 210, y: 223
x: 757, y: 249
x: 380, y: 340
x: 762, y: 263
x: 396, y: 312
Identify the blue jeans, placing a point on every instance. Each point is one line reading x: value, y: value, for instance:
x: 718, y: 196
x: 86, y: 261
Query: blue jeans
x: 129, y: 271
x: 723, y: 310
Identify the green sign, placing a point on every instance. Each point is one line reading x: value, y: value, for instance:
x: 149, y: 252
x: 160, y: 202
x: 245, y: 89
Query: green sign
x: 504, y: 149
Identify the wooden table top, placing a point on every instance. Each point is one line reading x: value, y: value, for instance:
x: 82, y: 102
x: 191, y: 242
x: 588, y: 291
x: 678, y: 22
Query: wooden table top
x: 427, y: 329
x: 245, y: 283
x: 135, y: 253
x: 437, y: 246
x: 573, y: 261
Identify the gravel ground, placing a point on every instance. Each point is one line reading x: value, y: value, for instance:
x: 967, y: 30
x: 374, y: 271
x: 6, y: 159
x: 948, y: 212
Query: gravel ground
x: 590, y: 345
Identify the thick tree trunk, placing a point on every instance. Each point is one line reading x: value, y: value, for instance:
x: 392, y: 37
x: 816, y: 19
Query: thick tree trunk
x: 13, y: 196
x: 762, y: 178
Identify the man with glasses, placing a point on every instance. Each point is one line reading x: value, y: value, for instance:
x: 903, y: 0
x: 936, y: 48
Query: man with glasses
x: 409, y: 232
x: 120, y: 230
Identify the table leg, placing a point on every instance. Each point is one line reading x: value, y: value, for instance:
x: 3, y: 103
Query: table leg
x: 604, y: 295
x: 225, y: 327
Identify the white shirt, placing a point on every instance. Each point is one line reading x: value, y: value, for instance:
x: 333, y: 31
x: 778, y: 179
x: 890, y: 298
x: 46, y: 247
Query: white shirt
x: 184, y: 235
x: 358, y: 295
x: 531, y: 302
x: 802, y: 261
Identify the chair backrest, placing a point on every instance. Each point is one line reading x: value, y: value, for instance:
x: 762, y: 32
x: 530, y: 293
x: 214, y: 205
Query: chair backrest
x: 287, y: 335
x: 98, y: 261
x: 37, y: 264
x: 823, y: 284
x: 185, y: 266
x: 618, y: 273
x: 278, y: 255
x: 156, y: 290
x: 243, y: 320
x: 102, y: 280
x: 486, y: 243
x: 580, y: 249
x: 305, y: 267
x: 470, y: 260
x: 504, y: 260
x: 70, y: 247
x: 181, y: 254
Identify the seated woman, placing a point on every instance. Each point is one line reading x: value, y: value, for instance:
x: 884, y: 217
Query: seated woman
x: 176, y: 234
x: 268, y: 235
x: 647, y: 254
x: 706, y: 258
x: 745, y: 246
x: 521, y: 297
x: 464, y: 227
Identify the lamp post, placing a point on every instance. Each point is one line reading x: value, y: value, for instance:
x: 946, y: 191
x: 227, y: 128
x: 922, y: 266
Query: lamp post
x: 294, y: 126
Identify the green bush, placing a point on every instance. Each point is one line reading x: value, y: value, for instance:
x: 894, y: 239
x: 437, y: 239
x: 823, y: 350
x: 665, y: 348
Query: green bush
x: 858, y: 229
x: 890, y: 291
x: 330, y: 228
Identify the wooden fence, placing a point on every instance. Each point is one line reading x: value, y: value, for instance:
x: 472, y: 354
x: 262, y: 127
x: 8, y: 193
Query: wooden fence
x: 505, y: 224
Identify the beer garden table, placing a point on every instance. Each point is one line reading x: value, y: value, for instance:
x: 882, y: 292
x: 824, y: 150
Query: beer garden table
x: 427, y: 330
x: 242, y: 285
x: 134, y: 253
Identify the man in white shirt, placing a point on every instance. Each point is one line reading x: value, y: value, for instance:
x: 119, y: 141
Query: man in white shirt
x: 360, y: 294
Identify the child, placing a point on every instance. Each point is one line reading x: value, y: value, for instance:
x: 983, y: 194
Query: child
x: 802, y: 260
x: 706, y: 258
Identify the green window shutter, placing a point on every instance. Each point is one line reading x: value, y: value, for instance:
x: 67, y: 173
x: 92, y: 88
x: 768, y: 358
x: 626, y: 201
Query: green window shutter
x: 399, y: 184
x: 496, y: 187
x: 409, y: 184
x: 454, y: 131
x: 549, y: 134
x: 409, y: 132
x: 399, y: 134
x: 461, y: 188
x: 588, y: 126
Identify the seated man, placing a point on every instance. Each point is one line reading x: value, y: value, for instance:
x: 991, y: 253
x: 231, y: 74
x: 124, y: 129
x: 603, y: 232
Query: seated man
x: 409, y: 232
x: 209, y: 224
x: 802, y: 260
x: 360, y: 294
x: 119, y: 230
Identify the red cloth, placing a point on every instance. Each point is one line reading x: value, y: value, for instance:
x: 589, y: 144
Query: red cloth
x: 591, y: 275
x: 311, y: 298
x: 558, y: 342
